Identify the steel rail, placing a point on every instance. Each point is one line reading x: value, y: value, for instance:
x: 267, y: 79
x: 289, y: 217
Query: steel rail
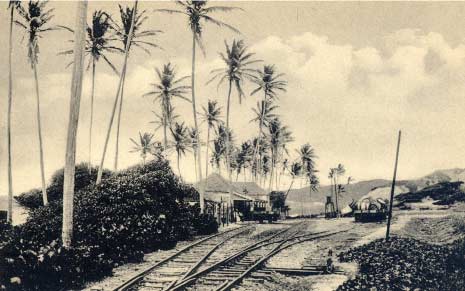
x: 276, y: 250
x: 140, y: 275
x: 252, y: 247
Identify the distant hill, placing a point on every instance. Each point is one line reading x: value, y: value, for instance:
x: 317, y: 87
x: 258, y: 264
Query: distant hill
x: 314, y: 202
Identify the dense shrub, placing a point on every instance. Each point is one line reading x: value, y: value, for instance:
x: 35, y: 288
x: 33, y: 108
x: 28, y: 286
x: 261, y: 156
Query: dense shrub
x: 406, y: 264
x: 83, y: 178
x: 132, y: 212
x: 205, y: 224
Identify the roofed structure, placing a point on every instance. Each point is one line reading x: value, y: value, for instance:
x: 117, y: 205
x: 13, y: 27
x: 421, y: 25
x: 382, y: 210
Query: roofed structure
x: 218, y: 189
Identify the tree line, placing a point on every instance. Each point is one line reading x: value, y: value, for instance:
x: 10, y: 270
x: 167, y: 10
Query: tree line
x: 264, y: 158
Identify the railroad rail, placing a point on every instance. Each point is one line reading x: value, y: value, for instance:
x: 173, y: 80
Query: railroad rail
x: 227, y: 274
x: 194, y: 253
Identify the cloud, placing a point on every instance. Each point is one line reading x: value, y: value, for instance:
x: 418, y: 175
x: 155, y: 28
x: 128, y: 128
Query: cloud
x: 348, y: 102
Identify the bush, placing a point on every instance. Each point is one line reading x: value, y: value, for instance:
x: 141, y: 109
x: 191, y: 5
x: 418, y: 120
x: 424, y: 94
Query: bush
x: 138, y: 210
x: 402, y: 264
x: 205, y: 224
x: 83, y: 178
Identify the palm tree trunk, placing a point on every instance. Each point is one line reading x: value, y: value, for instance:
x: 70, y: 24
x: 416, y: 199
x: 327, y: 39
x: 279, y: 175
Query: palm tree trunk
x: 115, y: 103
x: 76, y: 90
x: 206, y: 155
x: 91, y: 114
x: 195, y: 161
x: 228, y: 164
x: 178, y: 162
x: 39, y: 131
x: 335, y: 193
x: 165, y: 138
x: 119, y: 122
x: 10, y: 99
x: 199, y: 158
x: 260, y: 129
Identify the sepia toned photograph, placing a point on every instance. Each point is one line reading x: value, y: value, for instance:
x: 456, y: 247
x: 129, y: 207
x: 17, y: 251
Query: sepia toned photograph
x: 232, y: 145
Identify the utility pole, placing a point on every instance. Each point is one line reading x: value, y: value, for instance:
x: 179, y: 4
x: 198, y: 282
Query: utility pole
x: 392, y: 188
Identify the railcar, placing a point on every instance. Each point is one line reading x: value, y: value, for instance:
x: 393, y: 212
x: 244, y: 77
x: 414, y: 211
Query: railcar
x: 255, y: 211
x: 370, y: 210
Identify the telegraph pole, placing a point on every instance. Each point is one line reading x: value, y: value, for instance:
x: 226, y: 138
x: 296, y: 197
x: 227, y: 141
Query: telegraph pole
x: 392, y: 188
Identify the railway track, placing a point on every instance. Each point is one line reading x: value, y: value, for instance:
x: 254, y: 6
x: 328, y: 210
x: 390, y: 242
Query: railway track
x: 229, y: 273
x: 179, y: 265
x: 219, y: 262
x: 185, y: 259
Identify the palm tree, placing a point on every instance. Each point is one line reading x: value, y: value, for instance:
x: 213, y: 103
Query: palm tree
x: 237, y: 61
x: 97, y: 45
x: 217, y: 154
x: 76, y: 90
x: 211, y: 115
x: 164, y: 90
x: 127, y: 38
x: 161, y: 122
x: 295, y: 171
x: 331, y: 175
x: 339, y: 171
x: 307, y: 158
x: 181, y: 141
x: 34, y: 20
x: 144, y: 146
x: 279, y: 136
x: 313, y: 182
x: 131, y: 30
x: 198, y: 12
x: 12, y: 5
x: 245, y: 156
x: 194, y: 145
x: 270, y: 83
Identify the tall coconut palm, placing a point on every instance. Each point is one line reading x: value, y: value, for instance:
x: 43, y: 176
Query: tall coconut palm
x: 162, y: 122
x: 194, y: 145
x: 98, y: 38
x: 217, y: 154
x: 12, y: 5
x: 138, y: 38
x: 164, y: 90
x: 198, y: 13
x: 295, y: 171
x: 181, y: 141
x: 339, y: 172
x: 270, y: 83
x: 279, y: 136
x: 34, y: 20
x: 245, y: 156
x: 212, y: 116
x: 75, y: 99
x: 313, y: 181
x: 236, y: 70
x: 331, y: 175
x: 98, y: 44
x: 127, y: 38
x: 144, y: 146
x: 307, y: 158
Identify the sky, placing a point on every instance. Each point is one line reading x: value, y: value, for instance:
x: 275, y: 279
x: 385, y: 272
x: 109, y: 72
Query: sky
x: 357, y: 72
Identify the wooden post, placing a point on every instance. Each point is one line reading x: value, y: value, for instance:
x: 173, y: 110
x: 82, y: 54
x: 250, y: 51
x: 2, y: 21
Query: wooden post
x: 392, y: 188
